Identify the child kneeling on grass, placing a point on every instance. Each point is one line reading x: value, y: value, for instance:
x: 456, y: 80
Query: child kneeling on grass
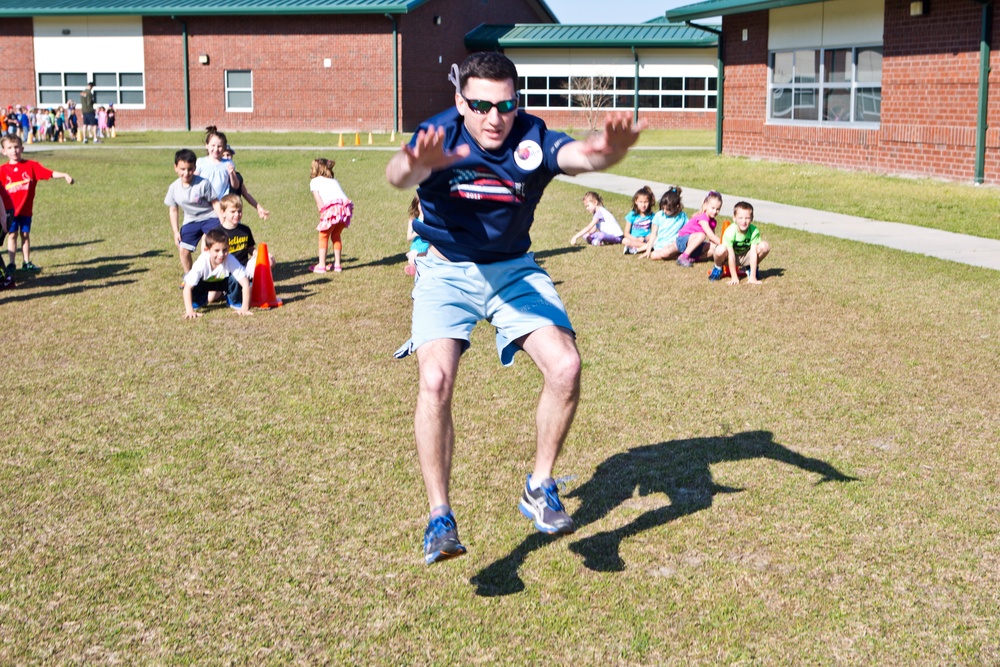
x: 741, y: 245
x: 603, y: 228
x: 216, y: 270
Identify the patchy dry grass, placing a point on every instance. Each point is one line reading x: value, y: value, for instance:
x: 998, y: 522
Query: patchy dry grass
x: 799, y: 473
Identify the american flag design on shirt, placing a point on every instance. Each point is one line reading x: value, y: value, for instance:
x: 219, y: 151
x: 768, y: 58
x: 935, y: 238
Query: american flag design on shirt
x: 481, y: 183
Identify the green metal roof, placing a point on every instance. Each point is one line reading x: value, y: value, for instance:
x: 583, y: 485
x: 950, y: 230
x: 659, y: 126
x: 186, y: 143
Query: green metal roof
x: 17, y: 8
x: 543, y: 35
x: 709, y: 8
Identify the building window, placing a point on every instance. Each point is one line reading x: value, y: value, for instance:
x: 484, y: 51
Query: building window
x: 125, y: 89
x: 618, y: 92
x: 239, y: 90
x: 826, y: 86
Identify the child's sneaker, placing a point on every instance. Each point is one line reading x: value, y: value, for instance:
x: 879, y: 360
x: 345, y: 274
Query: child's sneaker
x: 11, y: 268
x: 7, y: 282
x: 716, y: 273
x: 441, y: 539
x: 30, y: 266
x: 685, y: 261
x: 543, y: 507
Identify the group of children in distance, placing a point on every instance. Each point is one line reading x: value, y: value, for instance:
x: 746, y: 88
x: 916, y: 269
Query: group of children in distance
x: 210, y: 193
x: 669, y: 233
x: 54, y: 124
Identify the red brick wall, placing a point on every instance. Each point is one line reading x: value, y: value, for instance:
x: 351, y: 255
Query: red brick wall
x: 425, y: 87
x: 17, y: 52
x: 929, y: 90
x: 655, y: 120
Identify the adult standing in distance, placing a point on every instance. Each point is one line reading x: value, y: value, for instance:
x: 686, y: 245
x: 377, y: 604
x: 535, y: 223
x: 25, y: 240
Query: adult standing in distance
x: 481, y: 168
x: 87, y: 109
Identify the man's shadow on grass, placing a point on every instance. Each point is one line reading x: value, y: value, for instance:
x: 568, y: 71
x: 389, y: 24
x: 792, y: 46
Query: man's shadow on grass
x: 77, y: 277
x: 284, y: 272
x: 680, y: 469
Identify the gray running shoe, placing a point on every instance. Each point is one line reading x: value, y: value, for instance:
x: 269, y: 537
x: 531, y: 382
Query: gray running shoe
x: 544, y: 508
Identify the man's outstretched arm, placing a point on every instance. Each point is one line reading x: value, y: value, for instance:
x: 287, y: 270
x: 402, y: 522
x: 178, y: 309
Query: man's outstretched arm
x: 412, y: 164
x: 600, y: 151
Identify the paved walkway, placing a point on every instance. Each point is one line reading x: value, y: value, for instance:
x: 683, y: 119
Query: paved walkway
x: 972, y: 250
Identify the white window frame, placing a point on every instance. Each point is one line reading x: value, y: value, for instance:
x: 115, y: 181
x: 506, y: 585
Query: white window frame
x: 624, y: 93
x: 72, y: 91
x: 821, y: 86
x: 237, y: 89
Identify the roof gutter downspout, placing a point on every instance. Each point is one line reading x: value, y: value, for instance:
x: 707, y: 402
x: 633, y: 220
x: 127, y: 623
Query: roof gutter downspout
x: 719, y: 88
x: 984, y: 85
x: 395, y: 72
x: 635, y: 97
x: 187, y: 75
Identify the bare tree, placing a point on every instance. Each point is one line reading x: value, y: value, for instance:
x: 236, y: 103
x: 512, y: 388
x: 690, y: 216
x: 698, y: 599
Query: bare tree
x: 592, y: 94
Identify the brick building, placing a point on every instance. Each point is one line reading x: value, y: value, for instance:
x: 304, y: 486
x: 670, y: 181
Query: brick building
x: 888, y: 86
x: 348, y: 65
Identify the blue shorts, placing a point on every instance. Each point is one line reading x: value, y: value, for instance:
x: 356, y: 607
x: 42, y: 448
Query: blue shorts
x: 682, y: 244
x: 18, y: 223
x: 450, y: 298
x: 192, y: 232
x: 231, y: 287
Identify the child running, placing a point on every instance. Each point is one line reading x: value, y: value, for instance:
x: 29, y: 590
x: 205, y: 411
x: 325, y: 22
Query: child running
x: 418, y: 246
x: 697, y: 239
x: 741, y: 247
x: 19, y: 178
x: 666, y: 223
x: 216, y: 271
x: 639, y: 222
x: 220, y: 173
x: 194, y: 196
x: 603, y: 228
x: 335, y: 212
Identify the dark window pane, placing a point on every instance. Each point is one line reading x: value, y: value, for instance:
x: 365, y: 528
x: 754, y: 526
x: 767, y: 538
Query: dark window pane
x: 868, y: 105
x: 837, y: 105
x: 537, y: 83
x: 239, y: 100
x: 781, y: 103
x: 133, y: 97
x: 837, y: 65
x: 694, y: 83
x: 131, y: 80
x: 105, y: 79
x: 649, y: 101
x: 558, y: 83
x: 535, y: 100
x: 76, y: 80
x: 521, y: 83
x: 105, y: 97
x: 713, y: 83
x: 625, y: 101
x: 625, y: 83
x: 558, y: 100
x: 580, y: 83
x: 694, y: 102
x: 50, y: 97
x: 712, y: 101
x: 649, y: 83
x: 673, y: 101
x: 50, y: 80
x: 673, y: 83
x: 806, y: 105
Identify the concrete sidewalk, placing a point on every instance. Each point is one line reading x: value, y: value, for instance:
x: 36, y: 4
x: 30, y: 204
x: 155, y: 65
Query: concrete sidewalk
x: 953, y: 247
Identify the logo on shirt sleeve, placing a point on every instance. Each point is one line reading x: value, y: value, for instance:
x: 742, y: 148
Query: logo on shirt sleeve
x: 528, y: 155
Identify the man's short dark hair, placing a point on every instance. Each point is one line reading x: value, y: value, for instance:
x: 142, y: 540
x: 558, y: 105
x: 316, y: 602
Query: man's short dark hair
x: 488, y: 65
x: 185, y: 155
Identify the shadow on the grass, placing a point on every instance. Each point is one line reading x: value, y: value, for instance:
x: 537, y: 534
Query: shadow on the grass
x: 679, y: 469
x: 60, y: 246
x: 77, y: 277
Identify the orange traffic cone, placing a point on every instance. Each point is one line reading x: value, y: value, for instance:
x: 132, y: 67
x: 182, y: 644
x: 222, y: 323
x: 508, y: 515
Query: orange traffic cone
x: 262, y: 293
x: 340, y: 141
x: 357, y: 138
x: 369, y: 138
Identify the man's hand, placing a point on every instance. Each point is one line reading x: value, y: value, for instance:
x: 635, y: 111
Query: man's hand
x: 412, y: 164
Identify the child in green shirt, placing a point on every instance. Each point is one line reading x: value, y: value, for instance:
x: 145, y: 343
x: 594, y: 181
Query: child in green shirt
x: 741, y: 245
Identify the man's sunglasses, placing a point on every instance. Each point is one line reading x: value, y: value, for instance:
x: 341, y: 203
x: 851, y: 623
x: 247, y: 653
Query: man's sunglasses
x: 483, y: 106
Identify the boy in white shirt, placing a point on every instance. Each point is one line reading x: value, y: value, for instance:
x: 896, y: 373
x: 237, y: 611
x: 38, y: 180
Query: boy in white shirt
x: 216, y: 270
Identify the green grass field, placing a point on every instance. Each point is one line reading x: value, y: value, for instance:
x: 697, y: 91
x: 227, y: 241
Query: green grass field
x: 800, y: 473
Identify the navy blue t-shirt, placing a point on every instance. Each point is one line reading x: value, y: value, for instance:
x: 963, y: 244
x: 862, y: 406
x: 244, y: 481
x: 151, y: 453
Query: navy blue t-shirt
x: 480, y: 209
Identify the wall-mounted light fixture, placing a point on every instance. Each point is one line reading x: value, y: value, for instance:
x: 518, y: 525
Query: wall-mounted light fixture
x: 917, y: 8
x: 437, y: 20
x: 65, y: 31
x: 203, y: 59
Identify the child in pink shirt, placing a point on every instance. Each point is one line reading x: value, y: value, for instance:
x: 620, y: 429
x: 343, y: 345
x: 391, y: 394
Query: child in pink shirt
x: 697, y: 239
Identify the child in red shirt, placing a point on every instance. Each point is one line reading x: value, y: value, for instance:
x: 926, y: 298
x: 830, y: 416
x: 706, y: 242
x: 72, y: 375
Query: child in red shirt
x: 19, y: 178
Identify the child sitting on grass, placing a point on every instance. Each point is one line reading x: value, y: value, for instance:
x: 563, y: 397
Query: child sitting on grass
x: 216, y: 271
x: 666, y: 223
x: 639, y: 222
x: 603, y: 228
x: 741, y: 247
x: 697, y: 239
